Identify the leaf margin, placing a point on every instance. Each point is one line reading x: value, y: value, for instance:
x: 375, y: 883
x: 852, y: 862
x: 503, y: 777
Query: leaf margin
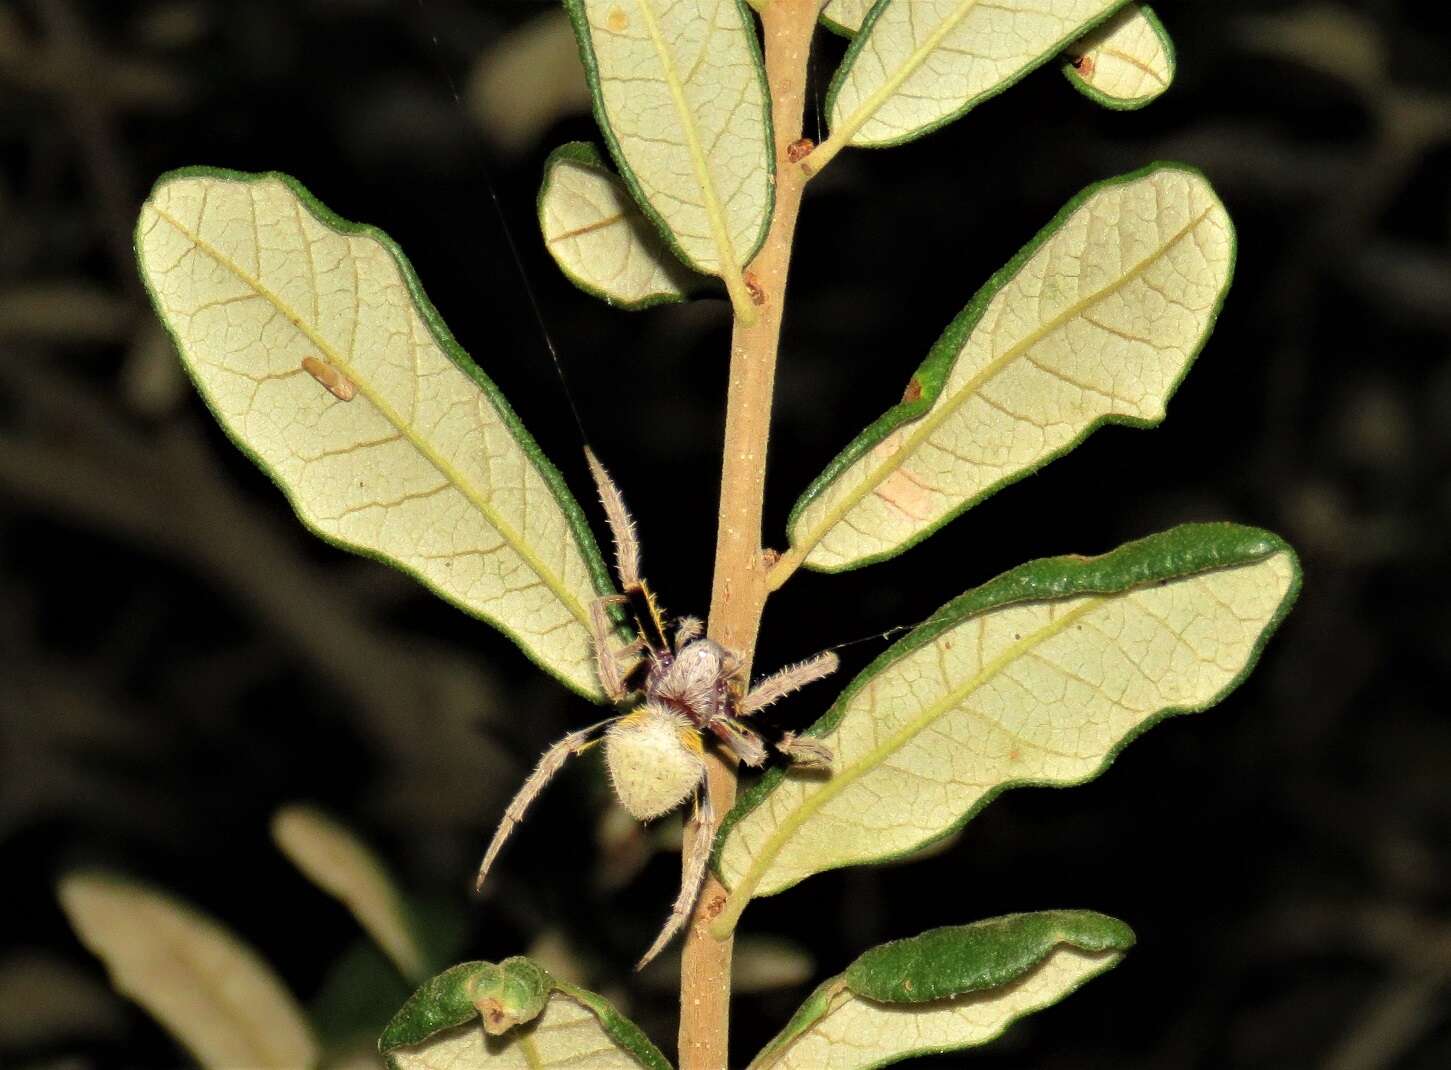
x: 448, y: 345
x: 194, y: 915
x: 932, y: 374
x: 863, y: 33
x: 1111, y: 935
x: 584, y: 154
x: 1112, y: 103
x: 420, y: 1026
x: 579, y: 19
x: 1035, y: 581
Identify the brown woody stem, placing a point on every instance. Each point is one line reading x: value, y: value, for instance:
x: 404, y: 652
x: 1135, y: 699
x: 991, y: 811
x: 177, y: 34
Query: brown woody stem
x: 739, y: 591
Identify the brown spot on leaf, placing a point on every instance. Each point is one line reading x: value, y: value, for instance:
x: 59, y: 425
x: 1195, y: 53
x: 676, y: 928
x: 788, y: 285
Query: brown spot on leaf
x: 338, y: 384
x: 617, y: 20
x: 799, y: 149
x: 913, y: 391
x: 1084, y: 65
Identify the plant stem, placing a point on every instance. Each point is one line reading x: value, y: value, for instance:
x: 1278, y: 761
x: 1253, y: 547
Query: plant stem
x: 739, y: 590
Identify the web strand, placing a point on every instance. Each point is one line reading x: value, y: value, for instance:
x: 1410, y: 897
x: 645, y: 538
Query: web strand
x: 481, y: 162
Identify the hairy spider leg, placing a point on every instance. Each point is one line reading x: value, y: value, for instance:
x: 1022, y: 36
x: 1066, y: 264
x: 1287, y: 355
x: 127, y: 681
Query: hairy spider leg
x: 622, y: 525
x: 784, y: 681
x: 692, y: 875
x: 649, y: 621
x: 551, y: 762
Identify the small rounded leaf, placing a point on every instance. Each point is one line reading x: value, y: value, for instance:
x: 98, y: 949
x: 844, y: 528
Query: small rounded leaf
x: 1038, y: 677
x: 337, y: 861
x: 945, y: 990
x: 316, y: 348
x: 1126, y: 62
x: 203, y: 984
x: 599, y: 237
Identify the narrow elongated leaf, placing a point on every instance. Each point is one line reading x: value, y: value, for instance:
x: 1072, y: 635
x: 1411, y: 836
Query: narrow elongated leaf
x: 195, y: 977
x: 918, y: 64
x: 513, y: 1014
x: 599, y: 237
x: 1095, y: 321
x: 313, y: 343
x: 1126, y: 62
x: 945, y: 990
x: 680, y: 95
x: 341, y: 864
x: 1038, y: 677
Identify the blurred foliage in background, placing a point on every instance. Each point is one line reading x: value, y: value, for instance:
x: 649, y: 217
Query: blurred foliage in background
x: 179, y: 659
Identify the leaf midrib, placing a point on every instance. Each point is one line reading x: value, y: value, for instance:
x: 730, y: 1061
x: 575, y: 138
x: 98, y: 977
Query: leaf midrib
x: 730, y: 263
x: 842, y: 780
x: 939, y: 414
x: 365, y: 388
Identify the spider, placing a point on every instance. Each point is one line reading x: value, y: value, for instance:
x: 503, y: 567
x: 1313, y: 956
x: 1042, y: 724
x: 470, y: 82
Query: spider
x: 677, y: 690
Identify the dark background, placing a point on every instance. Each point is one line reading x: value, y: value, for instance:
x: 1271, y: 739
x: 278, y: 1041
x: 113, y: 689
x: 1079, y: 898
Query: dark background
x: 178, y: 658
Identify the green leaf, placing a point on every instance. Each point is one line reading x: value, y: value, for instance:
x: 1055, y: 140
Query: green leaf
x: 1038, y: 677
x: 281, y: 310
x: 513, y: 1014
x: 680, y: 95
x: 916, y: 65
x: 337, y: 861
x: 945, y: 990
x: 599, y: 237
x: 1126, y: 62
x: 1095, y: 321
x: 205, y: 986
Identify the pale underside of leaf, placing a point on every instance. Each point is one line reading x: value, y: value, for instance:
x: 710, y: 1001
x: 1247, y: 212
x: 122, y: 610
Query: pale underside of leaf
x: 334, y: 859
x: 680, y: 95
x: 854, y: 1033
x: 1096, y: 321
x: 600, y: 239
x: 920, y: 63
x: 1126, y: 62
x: 191, y: 974
x: 566, y: 1034
x: 423, y: 467
x: 845, y: 16
x: 1037, y: 692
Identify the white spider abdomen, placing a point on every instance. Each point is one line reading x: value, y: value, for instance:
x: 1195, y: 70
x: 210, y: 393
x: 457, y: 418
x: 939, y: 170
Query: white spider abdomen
x: 655, y: 758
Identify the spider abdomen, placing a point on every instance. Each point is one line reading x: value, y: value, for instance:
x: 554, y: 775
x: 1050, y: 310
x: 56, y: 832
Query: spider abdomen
x: 655, y: 758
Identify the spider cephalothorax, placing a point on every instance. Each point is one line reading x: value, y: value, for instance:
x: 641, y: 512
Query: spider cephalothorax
x: 676, y: 689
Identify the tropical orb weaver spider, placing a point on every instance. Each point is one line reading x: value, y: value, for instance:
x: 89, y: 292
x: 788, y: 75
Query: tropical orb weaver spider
x: 655, y: 752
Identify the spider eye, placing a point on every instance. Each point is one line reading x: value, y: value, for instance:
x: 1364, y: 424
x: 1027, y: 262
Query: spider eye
x: 655, y: 758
